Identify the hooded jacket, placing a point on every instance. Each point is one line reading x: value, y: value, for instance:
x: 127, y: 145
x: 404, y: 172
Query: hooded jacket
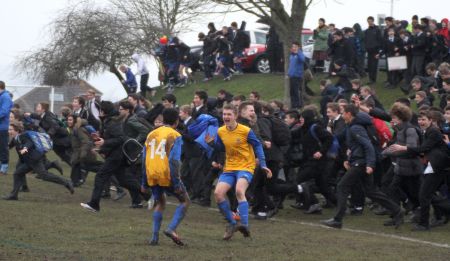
x: 142, y: 68
x: 362, y: 152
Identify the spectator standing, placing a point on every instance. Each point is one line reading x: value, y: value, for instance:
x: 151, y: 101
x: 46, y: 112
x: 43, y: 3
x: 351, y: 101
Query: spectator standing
x: 320, y: 45
x: 6, y: 105
x: 130, y: 80
x: 373, y: 42
x: 295, y: 73
x: 143, y: 72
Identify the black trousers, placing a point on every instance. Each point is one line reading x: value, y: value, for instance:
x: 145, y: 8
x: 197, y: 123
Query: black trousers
x: 144, y: 84
x: 209, y: 65
x: 418, y: 66
x: 23, y: 168
x: 208, y: 183
x: 193, y: 174
x: 430, y: 184
x: 4, y: 150
x: 353, y: 176
x: 76, y: 173
x: 114, y: 167
x: 319, y: 171
x: 295, y: 89
x: 405, y: 187
x: 372, y: 65
x: 63, y: 153
x: 263, y: 186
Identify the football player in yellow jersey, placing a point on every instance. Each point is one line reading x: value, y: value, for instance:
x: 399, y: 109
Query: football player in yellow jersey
x: 161, y: 159
x: 242, y: 147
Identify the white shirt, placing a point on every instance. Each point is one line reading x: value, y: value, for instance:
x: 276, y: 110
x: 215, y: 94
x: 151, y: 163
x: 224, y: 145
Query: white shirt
x: 94, y: 111
x: 187, y: 120
x: 199, y: 107
x: 142, y: 68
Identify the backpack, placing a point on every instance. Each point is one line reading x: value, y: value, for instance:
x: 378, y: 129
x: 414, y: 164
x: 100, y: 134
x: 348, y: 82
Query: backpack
x: 281, y: 135
x: 374, y: 140
x: 383, y: 130
x: 245, y: 40
x: 333, y: 151
x: 41, y: 140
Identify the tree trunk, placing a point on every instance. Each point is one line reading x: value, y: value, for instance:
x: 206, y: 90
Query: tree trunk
x: 113, y: 69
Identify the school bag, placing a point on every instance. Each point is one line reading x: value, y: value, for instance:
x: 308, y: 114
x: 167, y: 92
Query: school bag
x: 281, y: 135
x: 41, y: 140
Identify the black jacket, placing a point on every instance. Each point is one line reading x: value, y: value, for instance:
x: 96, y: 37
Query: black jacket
x: 274, y: 153
x: 419, y: 45
x: 23, y: 141
x: 343, y: 49
x: 310, y: 144
x: 238, y: 40
x: 373, y: 39
x: 434, y: 148
x: 113, y: 136
x: 202, y: 110
x: 358, y: 142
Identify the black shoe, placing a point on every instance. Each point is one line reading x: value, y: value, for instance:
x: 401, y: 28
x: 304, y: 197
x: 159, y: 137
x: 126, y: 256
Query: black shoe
x: 153, y: 242
x: 137, y: 205
x: 175, y: 238
x: 356, y: 211
x: 398, y: 219
x: 69, y: 186
x: 25, y: 189
x: 55, y: 164
x: 244, y: 230
x: 418, y: 227
x: 331, y: 223
x: 106, y: 194
x: 314, y: 209
x: 10, y: 197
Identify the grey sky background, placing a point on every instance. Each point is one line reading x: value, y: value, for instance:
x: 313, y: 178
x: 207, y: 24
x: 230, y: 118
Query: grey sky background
x: 23, y: 24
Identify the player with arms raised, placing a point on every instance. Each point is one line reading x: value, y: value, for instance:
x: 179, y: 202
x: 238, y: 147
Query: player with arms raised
x: 241, y: 146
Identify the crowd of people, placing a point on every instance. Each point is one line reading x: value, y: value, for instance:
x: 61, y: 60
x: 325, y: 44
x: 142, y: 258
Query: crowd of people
x: 346, y: 149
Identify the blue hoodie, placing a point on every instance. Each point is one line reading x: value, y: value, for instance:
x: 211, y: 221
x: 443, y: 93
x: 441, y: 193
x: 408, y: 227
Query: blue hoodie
x: 5, y: 107
x: 296, y: 63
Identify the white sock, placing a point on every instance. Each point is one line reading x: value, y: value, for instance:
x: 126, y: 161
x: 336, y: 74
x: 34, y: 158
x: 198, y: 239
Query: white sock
x: 299, y: 188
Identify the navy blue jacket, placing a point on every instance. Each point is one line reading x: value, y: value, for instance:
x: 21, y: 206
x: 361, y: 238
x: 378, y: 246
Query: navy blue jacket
x: 362, y: 150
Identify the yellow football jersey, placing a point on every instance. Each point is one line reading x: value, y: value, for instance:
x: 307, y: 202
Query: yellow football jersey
x: 239, y: 153
x: 161, y: 146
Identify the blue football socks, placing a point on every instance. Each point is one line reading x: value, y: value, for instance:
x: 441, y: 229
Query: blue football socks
x: 157, y: 218
x: 224, y: 208
x: 243, y: 212
x: 177, y: 217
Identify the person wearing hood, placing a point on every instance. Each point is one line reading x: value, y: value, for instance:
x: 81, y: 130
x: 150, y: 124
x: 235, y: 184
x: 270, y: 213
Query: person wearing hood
x: 316, y: 141
x: 360, y: 166
x: 144, y: 73
x: 110, y: 147
x: 445, y: 31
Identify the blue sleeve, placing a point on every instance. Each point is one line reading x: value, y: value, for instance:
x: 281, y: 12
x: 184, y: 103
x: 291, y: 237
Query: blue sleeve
x: 174, y: 161
x: 5, y: 105
x: 448, y: 145
x: 131, y: 79
x: 144, y: 170
x: 301, y: 57
x: 257, y: 147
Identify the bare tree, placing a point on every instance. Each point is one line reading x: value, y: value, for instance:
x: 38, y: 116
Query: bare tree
x: 171, y: 16
x: 288, y: 25
x: 85, y: 40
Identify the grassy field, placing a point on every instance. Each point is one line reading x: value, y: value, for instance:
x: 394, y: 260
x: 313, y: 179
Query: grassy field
x: 270, y: 86
x: 48, y: 223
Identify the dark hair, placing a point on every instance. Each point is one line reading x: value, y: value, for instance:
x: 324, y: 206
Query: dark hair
x: 368, y: 103
x: 108, y: 108
x: 256, y: 94
x: 296, y: 43
x: 80, y: 100
x: 293, y: 114
x: 234, y: 24
x: 222, y: 91
x: 352, y: 109
x: 17, y: 125
x: 322, y: 20
x: 347, y: 30
x: 134, y: 96
x: 431, y: 66
x: 127, y: 106
x: 202, y: 95
x: 436, y: 116
x: 389, y: 18
x: 45, y: 106
x: 415, y: 17
x: 239, y: 98
x: 170, y: 98
x: 170, y: 116
x: 402, y: 112
x: 331, y: 24
x: 244, y: 105
x: 339, y: 33
x: 404, y: 101
x: 447, y: 108
x: 371, y: 18
x: 2, y: 85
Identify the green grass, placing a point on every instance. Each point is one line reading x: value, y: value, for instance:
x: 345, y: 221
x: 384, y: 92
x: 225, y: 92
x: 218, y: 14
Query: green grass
x: 270, y: 86
x: 48, y: 224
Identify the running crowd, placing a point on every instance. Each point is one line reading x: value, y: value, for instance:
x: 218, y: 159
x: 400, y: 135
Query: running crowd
x: 330, y: 156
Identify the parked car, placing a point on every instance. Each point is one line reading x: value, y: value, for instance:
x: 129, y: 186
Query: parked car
x: 255, y: 57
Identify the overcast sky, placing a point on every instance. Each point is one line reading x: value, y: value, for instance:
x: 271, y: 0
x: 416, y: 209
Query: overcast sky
x: 23, y: 25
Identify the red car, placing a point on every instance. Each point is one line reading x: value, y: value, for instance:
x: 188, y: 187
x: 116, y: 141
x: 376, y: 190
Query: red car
x: 255, y: 57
